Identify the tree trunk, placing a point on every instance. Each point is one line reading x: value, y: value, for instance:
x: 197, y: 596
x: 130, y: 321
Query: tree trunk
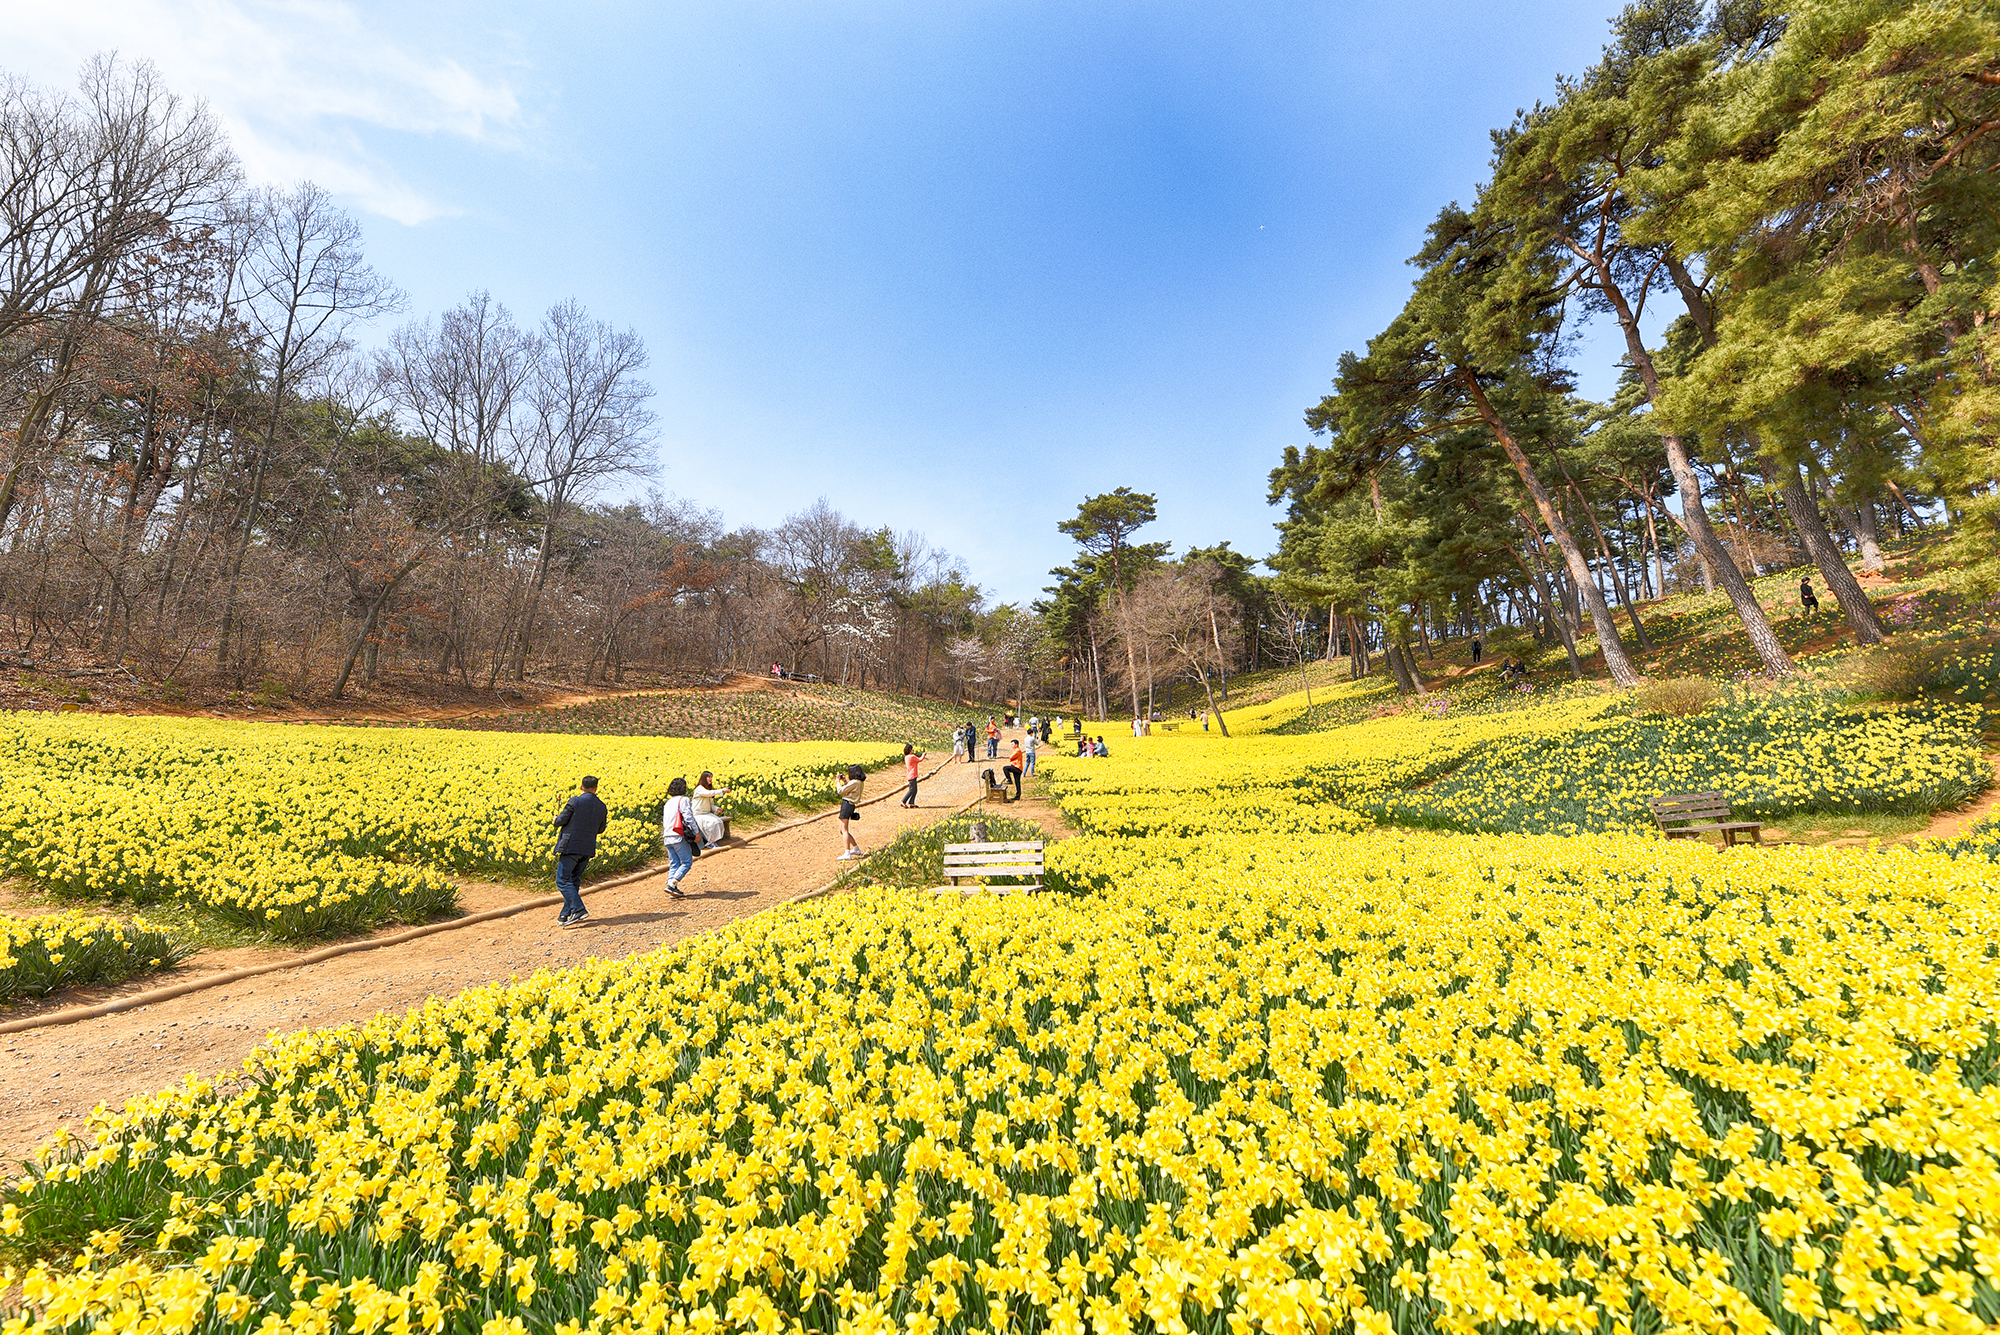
x: 1200, y: 672
x: 1539, y: 581
x: 1613, y: 648
x: 1839, y: 580
x: 1604, y: 550
x: 1097, y: 674
x: 534, y: 603
x: 1695, y: 515
x: 368, y: 626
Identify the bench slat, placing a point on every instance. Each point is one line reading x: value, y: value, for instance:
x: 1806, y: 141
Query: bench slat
x: 1036, y: 844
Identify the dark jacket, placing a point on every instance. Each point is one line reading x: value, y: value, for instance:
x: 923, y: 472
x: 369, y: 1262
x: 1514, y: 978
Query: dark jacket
x: 582, y: 820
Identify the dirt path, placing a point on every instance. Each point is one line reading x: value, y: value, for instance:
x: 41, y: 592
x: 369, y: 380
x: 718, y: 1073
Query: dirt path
x: 1949, y: 824
x: 53, y: 1077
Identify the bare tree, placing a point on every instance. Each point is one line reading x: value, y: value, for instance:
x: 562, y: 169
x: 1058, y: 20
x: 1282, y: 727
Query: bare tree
x: 305, y: 285
x: 589, y: 422
x: 84, y: 187
x: 1183, y: 608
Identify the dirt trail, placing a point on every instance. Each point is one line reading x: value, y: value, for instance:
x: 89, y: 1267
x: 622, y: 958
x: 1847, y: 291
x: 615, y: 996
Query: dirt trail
x: 53, y: 1077
x: 1950, y: 824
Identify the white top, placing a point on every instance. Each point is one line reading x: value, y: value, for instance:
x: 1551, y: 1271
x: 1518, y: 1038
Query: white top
x: 686, y: 808
x: 704, y: 799
x: 848, y: 788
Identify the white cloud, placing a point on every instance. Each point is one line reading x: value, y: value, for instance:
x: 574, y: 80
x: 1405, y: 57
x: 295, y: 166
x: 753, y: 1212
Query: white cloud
x: 299, y: 83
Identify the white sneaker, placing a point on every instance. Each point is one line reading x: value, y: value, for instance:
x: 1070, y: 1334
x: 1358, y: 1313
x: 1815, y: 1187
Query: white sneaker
x: 849, y: 857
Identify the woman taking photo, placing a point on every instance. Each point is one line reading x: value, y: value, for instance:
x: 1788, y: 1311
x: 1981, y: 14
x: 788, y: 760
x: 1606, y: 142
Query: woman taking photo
x: 849, y: 790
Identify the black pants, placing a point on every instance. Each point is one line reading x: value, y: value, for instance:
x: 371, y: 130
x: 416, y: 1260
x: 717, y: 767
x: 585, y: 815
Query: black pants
x: 910, y: 797
x: 1012, y: 772
x: 1475, y: 651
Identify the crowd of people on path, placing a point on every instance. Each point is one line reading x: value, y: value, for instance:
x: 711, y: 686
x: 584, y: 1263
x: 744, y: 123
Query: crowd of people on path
x: 690, y: 823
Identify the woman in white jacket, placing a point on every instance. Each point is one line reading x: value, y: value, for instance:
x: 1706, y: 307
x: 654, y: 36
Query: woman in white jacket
x: 704, y: 795
x: 680, y: 830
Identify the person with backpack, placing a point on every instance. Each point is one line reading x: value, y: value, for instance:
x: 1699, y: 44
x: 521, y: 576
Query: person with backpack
x: 680, y: 831
x: 583, y: 818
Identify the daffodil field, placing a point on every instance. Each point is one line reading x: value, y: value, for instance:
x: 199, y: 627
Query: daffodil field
x: 1397, y: 1081
x: 1263, y: 1062
x: 303, y: 831
x: 39, y: 955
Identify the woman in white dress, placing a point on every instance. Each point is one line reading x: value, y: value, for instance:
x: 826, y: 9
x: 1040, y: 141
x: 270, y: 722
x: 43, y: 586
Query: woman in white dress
x: 705, y: 815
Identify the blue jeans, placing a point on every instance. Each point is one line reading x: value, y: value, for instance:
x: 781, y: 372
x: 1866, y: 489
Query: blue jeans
x: 992, y: 748
x: 1031, y: 762
x: 569, y: 870
x: 680, y: 861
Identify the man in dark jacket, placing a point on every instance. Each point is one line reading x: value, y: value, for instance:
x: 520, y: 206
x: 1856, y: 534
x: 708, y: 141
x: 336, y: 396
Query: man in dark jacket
x: 583, y: 819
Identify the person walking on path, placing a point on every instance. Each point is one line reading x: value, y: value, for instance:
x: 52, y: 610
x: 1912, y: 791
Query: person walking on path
x: 958, y: 744
x: 1475, y: 651
x: 912, y: 758
x: 1046, y: 729
x: 849, y: 790
x: 680, y: 830
x: 992, y: 739
x: 971, y: 731
x: 583, y: 818
x: 1807, y: 598
x: 1030, y: 767
x: 707, y: 818
x: 1015, y: 761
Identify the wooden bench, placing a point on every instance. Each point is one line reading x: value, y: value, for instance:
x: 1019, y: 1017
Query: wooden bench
x: 997, y: 789
x: 1691, y: 815
x: 982, y: 863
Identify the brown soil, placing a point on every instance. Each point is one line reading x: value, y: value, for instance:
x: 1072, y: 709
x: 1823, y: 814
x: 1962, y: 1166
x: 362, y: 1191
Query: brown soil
x: 53, y: 1077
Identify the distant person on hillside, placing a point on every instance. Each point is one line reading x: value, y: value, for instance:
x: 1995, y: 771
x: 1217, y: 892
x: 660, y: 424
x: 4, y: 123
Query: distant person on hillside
x: 1475, y: 651
x: 1807, y: 598
x: 777, y: 669
x: 680, y: 831
x: 1016, y: 762
x: 992, y: 739
x: 849, y: 790
x: 1032, y: 742
x: 971, y: 742
x: 704, y: 795
x: 583, y: 818
x: 958, y: 744
x: 912, y: 759
x: 1045, y: 731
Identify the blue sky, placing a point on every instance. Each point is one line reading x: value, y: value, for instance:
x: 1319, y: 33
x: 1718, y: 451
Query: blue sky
x: 953, y: 266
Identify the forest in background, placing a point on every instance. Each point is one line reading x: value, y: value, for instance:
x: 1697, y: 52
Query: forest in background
x: 1789, y: 217
x: 207, y: 481
x: 1789, y: 214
